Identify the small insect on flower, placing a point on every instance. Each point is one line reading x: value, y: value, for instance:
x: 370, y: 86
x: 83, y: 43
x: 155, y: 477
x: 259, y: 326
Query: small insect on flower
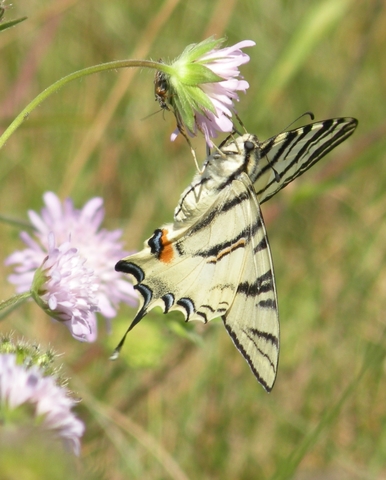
x: 200, y: 87
x: 161, y: 90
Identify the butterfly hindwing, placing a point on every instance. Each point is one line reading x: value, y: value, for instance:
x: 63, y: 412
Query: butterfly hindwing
x: 252, y: 320
x: 190, y: 266
x: 220, y: 268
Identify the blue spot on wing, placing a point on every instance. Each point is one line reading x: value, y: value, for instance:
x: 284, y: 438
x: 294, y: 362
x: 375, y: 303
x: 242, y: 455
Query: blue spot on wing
x: 168, y: 300
x: 146, y: 293
x: 188, y: 305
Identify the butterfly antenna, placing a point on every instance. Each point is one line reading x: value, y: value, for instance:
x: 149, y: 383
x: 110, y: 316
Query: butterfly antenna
x: 226, y: 140
x: 310, y: 114
x: 118, y: 348
x: 241, y: 124
x: 275, y: 172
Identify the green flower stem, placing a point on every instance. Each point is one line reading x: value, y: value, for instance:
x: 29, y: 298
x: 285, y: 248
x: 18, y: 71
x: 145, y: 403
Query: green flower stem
x: 69, y: 78
x: 7, y: 306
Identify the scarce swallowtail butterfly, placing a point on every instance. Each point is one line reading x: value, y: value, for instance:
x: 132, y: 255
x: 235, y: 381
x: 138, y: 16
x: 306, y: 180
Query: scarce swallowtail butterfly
x: 214, y: 259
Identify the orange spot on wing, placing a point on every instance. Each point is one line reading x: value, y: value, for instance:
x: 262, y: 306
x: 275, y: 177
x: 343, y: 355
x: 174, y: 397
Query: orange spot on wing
x: 167, y: 253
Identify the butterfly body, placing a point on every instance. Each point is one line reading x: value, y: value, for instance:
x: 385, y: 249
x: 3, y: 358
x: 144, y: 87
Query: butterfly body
x: 214, y: 259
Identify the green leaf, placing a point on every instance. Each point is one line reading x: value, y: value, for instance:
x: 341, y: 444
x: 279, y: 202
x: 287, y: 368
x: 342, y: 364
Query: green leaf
x: 12, y: 23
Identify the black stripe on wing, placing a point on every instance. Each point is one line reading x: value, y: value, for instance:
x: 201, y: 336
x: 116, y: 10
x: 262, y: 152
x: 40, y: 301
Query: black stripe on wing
x: 219, y: 210
x: 269, y: 303
x: 268, y: 337
x: 264, y: 283
x: 319, y: 139
x: 220, y: 250
x: 241, y: 349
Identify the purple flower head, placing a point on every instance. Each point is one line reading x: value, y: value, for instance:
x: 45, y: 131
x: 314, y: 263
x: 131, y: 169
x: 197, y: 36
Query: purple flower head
x: 50, y: 403
x: 100, y: 247
x: 200, y: 87
x: 67, y: 290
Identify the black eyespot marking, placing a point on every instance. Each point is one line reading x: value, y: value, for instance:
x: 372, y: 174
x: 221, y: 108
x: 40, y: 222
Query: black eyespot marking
x: 155, y: 243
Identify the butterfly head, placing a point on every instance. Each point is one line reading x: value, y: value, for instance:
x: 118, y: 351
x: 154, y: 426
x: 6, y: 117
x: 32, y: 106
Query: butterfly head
x: 241, y: 155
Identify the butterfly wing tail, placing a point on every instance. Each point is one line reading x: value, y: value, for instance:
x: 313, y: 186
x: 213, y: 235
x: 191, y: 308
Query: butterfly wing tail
x: 145, y: 296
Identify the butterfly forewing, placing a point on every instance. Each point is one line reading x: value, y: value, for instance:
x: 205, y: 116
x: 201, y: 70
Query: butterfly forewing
x: 291, y: 153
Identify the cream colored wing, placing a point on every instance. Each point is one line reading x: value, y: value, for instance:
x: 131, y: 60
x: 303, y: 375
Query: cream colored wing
x: 220, y: 266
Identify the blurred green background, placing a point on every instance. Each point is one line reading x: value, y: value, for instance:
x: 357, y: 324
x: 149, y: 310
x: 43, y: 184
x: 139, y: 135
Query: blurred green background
x: 181, y: 403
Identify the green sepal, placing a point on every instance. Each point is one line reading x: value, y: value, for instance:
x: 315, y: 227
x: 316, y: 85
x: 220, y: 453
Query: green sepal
x: 195, y: 74
x: 199, y: 99
x: 37, y: 290
x: 187, y: 100
x: 183, y: 105
x: 196, y: 50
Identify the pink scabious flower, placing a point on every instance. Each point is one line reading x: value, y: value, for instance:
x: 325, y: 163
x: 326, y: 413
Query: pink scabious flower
x: 100, y: 247
x: 67, y: 290
x: 51, y: 404
x: 200, y: 87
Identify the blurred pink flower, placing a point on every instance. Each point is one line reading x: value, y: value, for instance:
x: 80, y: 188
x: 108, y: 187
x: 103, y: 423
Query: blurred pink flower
x: 100, y: 247
x: 51, y: 404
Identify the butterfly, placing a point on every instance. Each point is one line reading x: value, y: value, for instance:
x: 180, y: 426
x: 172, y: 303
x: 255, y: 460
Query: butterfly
x: 214, y: 260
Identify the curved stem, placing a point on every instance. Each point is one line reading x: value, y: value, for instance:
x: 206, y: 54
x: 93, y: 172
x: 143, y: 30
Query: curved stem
x: 23, y: 115
x: 7, y: 306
